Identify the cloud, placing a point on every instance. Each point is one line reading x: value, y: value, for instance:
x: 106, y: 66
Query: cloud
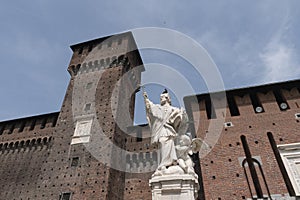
x: 279, y: 57
x: 280, y: 62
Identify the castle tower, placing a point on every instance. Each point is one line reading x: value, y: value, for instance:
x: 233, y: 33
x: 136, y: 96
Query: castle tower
x: 86, y: 160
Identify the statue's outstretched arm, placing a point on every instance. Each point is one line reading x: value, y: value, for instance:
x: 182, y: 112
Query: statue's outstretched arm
x: 147, y: 102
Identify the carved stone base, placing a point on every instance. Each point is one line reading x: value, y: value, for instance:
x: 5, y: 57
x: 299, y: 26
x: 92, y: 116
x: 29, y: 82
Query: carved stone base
x: 169, y: 187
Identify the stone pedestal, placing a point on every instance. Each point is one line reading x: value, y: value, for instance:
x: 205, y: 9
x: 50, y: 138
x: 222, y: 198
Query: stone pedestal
x: 174, y: 187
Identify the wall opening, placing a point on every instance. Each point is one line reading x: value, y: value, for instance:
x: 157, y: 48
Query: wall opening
x: 233, y: 108
x: 32, y: 125
x: 210, y: 110
x: 11, y: 130
x: 43, y: 124
x: 2, y: 128
x: 282, y: 103
x: 257, y: 106
x: 22, y: 126
x: 75, y: 162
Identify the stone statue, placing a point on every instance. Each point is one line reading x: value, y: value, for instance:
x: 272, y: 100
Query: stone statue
x: 167, y: 124
x: 186, y: 148
x: 164, y: 121
x: 175, y: 172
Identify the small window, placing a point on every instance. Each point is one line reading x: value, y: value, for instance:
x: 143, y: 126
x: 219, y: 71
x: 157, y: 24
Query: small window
x: 89, y: 85
x: 297, y: 115
x: 65, y: 196
x: 139, y: 137
x: 75, y: 162
x: 87, y: 107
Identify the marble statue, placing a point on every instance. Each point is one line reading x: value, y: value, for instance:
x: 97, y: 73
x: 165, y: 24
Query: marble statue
x: 184, y: 149
x: 168, y: 125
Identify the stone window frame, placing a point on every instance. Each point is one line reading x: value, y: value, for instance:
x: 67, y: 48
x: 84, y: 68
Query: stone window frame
x: 290, y: 155
x: 82, y: 132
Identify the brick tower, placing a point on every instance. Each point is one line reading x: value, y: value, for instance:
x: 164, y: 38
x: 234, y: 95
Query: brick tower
x: 78, y: 151
x: 84, y: 162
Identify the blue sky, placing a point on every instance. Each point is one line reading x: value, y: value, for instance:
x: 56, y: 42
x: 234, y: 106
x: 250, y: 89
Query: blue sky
x: 251, y: 42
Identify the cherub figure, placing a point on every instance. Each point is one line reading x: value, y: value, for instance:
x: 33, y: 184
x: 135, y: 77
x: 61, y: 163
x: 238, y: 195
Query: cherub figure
x: 186, y: 148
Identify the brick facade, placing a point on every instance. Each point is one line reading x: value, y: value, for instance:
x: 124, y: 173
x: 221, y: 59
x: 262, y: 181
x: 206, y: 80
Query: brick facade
x: 41, y: 157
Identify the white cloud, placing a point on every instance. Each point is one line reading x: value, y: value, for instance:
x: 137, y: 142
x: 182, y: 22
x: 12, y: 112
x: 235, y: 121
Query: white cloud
x: 279, y: 57
x: 280, y: 62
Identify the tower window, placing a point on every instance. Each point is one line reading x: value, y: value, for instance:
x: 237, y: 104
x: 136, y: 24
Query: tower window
x: 139, y: 137
x: 87, y: 107
x: 65, y: 196
x: 89, y: 85
x: 75, y: 162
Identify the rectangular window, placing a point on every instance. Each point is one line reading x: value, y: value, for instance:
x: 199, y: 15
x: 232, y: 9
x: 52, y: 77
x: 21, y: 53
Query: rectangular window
x: 65, y: 196
x: 87, y: 107
x: 75, y: 162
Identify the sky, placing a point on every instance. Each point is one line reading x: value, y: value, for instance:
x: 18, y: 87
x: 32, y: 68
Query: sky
x: 251, y: 42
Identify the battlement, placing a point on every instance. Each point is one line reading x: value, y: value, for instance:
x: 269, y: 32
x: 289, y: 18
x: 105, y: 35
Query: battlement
x: 28, y: 124
x: 263, y: 99
x: 28, y: 131
x: 103, y: 53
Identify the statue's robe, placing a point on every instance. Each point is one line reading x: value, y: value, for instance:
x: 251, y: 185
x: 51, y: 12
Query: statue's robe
x: 164, y: 122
